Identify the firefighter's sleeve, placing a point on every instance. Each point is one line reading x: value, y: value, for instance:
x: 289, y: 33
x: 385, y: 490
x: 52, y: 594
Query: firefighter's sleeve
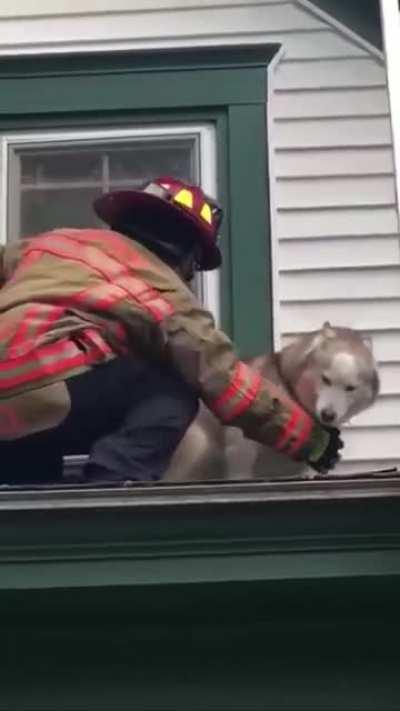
x: 235, y: 393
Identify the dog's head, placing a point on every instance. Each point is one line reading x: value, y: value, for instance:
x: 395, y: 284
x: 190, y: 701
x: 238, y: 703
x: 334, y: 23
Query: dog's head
x: 332, y: 373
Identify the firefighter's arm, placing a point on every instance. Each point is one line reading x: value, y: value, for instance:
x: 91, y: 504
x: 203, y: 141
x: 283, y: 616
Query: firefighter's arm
x: 237, y: 395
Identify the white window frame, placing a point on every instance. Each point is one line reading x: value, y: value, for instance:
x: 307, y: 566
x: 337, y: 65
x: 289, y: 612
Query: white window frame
x: 204, y: 134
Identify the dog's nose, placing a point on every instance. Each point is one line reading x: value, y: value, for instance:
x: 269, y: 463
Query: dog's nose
x: 328, y: 415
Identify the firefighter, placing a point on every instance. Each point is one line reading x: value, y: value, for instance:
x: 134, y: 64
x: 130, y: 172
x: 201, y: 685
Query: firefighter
x: 104, y: 348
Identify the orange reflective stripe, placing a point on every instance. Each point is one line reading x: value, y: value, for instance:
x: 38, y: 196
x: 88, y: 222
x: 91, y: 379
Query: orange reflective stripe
x: 248, y: 397
x: 229, y: 392
x: 89, y: 256
x: 112, y: 243
x: 50, y: 360
x: 302, y: 436
x: 239, y: 395
x: 159, y: 307
x: 101, y: 297
x: 36, y: 321
x: 288, y: 429
x: 146, y: 296
x: 295, y: 433
x: 24, y: 326
x: 111, y: 270
x: 26, y: 261
x: 42, y: 362
x: 94, y: 338
x: 104, y: 296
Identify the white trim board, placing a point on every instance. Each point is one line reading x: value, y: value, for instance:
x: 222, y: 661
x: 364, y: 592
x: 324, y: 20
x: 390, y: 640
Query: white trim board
x: 273, y: 212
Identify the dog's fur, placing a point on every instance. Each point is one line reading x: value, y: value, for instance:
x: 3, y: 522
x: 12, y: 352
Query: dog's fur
x: 331, y: 373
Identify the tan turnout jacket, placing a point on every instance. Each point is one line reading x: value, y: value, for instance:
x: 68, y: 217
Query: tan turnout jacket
x: 72, y: 299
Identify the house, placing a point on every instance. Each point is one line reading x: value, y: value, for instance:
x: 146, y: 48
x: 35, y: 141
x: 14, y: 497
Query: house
x: 238, y: 598
x: 333, y: 237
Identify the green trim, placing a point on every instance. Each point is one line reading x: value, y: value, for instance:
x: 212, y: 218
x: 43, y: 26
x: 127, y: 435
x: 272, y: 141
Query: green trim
x: 93, y: 92
x: 117, y: 539
x: 250, y: 243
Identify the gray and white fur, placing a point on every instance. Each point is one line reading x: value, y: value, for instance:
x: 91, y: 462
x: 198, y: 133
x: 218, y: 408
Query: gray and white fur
x: 331, y: 373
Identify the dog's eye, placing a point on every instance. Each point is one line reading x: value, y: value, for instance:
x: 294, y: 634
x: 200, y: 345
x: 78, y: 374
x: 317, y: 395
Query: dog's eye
x: 350, y: 388
x: 326, y: 380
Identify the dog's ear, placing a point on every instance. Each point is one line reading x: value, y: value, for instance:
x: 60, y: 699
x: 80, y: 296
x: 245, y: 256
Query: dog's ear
x: 296, y: 353
x: 328, y: 331
x: 313, y: 344
x: 367, y: 340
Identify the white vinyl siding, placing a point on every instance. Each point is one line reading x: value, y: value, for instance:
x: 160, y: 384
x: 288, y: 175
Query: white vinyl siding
x: 337, y: 222
x: 296, y: 223
x: 329, y: 74
x: 332, y: 132
x: 307, y: 254
x: 329, y: 103
x: 335, y: 227
x: 337, y: 284
x: 343, y: 161
x: 335, y: 192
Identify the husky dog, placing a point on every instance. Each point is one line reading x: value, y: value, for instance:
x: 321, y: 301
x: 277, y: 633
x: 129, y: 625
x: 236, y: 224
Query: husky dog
x: 331, y: 373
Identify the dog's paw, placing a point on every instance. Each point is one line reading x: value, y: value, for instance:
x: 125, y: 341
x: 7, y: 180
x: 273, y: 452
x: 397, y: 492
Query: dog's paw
x: 309, y: 474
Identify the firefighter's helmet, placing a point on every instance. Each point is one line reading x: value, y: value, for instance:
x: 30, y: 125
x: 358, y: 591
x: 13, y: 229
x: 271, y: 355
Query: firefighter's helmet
x: 169, y: 203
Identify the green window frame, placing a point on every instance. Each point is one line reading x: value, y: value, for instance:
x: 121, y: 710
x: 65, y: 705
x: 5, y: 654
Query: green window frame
x: 227, y: 87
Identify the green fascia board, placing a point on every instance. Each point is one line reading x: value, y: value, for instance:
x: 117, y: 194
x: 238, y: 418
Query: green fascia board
x: 146, y: 537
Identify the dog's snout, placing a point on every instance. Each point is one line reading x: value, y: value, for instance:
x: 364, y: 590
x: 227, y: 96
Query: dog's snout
x: 328, y: 415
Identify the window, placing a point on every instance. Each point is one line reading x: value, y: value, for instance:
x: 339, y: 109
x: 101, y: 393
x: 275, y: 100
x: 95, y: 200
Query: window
x: 72, y: 127
x: 52, y: 179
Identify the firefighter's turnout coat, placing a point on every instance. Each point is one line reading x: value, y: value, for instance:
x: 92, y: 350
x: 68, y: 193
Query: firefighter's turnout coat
x: 73, y: 299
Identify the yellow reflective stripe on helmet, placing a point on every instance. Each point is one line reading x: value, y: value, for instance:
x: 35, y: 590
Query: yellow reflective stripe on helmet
x: 206, y: 213
x: 184, y: 197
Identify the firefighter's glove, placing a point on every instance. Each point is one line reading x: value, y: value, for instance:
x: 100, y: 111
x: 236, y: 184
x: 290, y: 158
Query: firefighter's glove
x: 325, y: 453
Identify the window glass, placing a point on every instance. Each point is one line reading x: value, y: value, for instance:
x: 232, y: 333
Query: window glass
x: 55, y: 185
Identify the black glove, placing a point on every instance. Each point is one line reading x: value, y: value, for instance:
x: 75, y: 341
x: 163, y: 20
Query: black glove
x: 331, y: 455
